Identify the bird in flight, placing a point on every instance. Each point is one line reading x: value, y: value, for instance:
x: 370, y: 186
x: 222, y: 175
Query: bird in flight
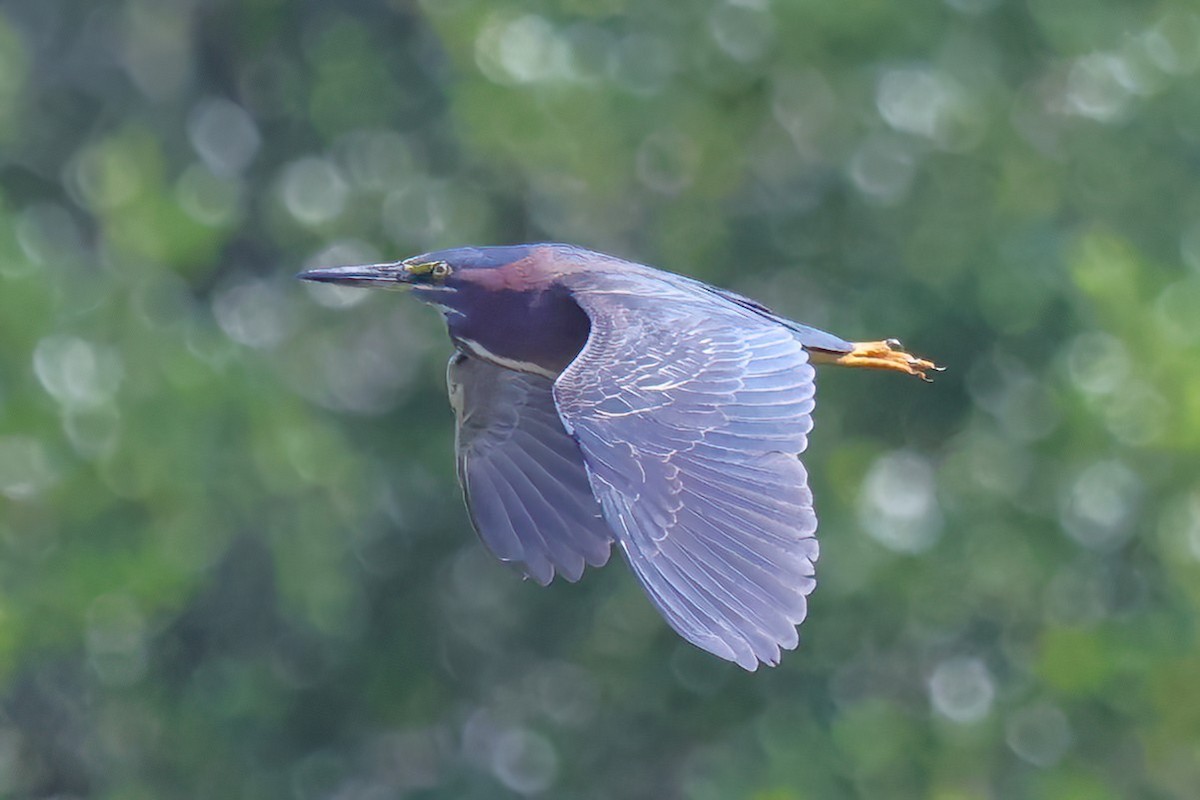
x: 600, y: 401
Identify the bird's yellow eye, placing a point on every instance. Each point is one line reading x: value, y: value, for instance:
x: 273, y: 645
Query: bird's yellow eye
x: 431, y: 270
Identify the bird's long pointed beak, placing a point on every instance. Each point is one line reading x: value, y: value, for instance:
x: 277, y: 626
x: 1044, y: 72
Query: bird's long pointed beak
x: 384, y: 276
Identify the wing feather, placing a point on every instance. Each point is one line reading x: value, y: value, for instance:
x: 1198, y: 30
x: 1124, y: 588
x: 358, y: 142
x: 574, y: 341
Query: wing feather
x: 691, y: 411
x: 522, y: 475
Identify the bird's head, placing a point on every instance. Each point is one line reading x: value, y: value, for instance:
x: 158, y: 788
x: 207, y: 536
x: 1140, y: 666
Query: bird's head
x: 444, y: 276
x: 505, y: 304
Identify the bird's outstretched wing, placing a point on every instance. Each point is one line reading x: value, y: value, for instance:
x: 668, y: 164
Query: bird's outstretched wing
x: 691, y: 413
x: 522, y: 475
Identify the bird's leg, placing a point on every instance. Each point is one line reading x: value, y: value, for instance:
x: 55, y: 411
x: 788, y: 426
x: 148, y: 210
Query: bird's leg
x: 888, y: 354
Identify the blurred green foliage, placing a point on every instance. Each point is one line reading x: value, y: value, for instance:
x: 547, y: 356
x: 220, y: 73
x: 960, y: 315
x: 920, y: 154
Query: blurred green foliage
x: 233, y: 558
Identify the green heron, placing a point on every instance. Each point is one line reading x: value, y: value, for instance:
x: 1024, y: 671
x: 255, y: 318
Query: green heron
x: 603, y: 401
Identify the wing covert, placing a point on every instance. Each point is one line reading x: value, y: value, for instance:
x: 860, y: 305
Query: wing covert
x: 691, y: 413
x: 522, y: 475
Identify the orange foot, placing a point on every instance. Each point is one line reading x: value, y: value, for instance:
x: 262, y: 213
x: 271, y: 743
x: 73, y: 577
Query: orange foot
x: 888, y: 354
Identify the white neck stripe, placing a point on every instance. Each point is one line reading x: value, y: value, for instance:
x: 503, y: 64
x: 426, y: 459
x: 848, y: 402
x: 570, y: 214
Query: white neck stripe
x: 482, y: 352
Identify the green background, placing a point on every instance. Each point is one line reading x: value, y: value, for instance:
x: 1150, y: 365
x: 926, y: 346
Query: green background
x: 234, y: 562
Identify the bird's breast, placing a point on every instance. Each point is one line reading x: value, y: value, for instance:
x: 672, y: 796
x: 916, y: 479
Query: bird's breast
x: 538, y: 332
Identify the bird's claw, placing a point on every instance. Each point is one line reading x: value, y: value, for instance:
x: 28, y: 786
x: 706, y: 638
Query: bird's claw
x: 888, y: 354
